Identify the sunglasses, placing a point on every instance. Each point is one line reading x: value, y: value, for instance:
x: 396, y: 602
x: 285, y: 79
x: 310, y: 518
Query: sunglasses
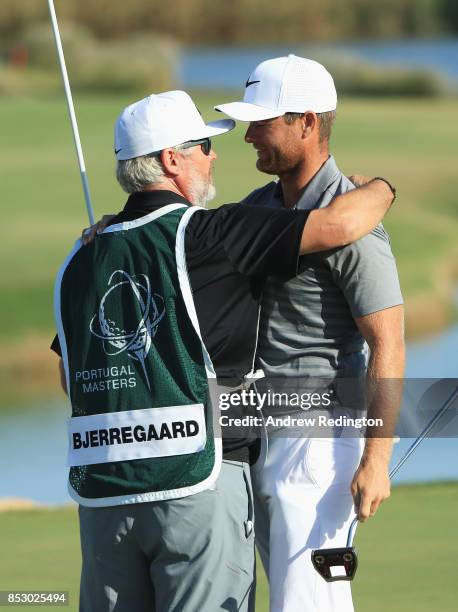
x: 205, y: 145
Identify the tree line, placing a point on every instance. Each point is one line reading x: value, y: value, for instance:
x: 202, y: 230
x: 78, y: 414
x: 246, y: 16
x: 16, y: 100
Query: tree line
x: 227, y: 22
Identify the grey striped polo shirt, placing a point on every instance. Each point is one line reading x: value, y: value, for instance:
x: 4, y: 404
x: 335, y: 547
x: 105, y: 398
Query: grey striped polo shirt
x: 307, y: 325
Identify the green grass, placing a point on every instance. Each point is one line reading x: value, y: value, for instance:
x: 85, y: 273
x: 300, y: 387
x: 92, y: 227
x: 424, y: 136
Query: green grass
x: 411, y: 142
x: 407, y: 553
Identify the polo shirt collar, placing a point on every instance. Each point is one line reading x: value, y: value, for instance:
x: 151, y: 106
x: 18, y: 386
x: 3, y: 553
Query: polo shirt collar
x: 313, y: 191
x: 149, y: 201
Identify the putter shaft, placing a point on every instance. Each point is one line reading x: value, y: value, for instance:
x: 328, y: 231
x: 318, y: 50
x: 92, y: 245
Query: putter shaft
x: 413, y: 446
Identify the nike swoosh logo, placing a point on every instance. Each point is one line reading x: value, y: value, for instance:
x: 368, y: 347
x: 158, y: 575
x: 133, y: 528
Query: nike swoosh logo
x: 248, y: 83
x: 117, y: 150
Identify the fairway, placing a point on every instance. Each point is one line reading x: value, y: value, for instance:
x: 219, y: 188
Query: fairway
x: 407, y: 553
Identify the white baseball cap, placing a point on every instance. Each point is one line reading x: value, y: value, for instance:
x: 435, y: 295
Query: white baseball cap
x: 284, y: 85
x: 161, y: 121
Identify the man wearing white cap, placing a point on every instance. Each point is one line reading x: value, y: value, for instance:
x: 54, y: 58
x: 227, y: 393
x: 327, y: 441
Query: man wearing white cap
x: 315, y: 325
x: 148, y: 313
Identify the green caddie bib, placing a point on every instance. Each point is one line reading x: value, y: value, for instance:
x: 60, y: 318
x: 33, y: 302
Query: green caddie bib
x: 137, y: 371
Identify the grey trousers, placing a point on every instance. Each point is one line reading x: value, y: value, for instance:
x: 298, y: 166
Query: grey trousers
x: 194, y: 554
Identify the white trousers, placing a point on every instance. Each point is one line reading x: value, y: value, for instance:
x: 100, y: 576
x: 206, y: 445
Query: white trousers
x: 302, y: 502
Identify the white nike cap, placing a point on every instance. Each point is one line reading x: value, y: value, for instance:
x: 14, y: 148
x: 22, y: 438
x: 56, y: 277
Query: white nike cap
x: 284, y: 85
x: 161, y: 121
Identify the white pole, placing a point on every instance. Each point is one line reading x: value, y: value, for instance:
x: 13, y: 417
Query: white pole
x: 71, y: 111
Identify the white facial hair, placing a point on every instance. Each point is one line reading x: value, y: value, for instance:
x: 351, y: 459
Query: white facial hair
x: 202, y: 190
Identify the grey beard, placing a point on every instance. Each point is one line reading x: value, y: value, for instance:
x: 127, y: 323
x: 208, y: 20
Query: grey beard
x: 202, y: 192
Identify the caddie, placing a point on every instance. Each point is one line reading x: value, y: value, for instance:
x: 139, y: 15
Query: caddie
x: 165, y: 299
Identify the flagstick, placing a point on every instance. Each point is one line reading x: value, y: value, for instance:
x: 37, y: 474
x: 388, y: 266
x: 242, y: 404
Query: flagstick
x: 71, y: 111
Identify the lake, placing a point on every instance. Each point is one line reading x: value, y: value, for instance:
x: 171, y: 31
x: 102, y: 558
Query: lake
x: 228, y: 67
x: 33, y: 444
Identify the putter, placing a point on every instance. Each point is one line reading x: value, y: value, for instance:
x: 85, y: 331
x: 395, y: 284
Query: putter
x: 71, y: 110
x: 334, y: 564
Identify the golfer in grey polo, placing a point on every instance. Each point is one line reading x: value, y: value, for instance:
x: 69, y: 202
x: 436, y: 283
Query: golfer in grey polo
x: 316, y: 325
x: 311, y: 330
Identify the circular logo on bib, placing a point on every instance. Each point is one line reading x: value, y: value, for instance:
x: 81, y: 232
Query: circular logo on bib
x: 128, y: 317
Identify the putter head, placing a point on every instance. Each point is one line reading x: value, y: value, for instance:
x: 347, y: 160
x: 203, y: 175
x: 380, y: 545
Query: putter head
x: 335, y: 563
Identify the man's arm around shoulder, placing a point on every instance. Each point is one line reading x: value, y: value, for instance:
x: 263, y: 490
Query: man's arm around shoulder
x: 348, y: 217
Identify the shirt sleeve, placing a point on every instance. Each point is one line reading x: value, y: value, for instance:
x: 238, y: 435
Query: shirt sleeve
x: 366, y: 273
x: 55, y: 346
x: 258, y: 241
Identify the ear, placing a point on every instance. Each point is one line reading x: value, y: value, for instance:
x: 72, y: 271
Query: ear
x: 309, y: 123
x: 170, y: 162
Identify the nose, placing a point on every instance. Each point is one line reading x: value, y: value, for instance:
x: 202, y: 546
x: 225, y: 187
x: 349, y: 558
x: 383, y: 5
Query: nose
x: 213, y: 155
x: 249, y: 134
